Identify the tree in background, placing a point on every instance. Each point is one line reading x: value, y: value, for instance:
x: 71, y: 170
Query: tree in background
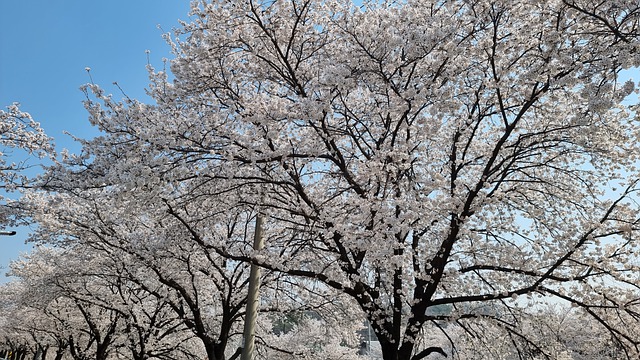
x: 20, y: 138
x: 557, y: 331
x: 19, y: 131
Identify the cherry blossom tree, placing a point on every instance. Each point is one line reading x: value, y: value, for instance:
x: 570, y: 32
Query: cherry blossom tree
x: 142, y: 247
x: 16, y: 338
x: 559, y: 332
x: 408, y: 154
x: 21, y: 138
x: 55, y: 289
x: 18, y: 130
x: 74, y: 302
x: 309, y: 338
x: 147, y: 251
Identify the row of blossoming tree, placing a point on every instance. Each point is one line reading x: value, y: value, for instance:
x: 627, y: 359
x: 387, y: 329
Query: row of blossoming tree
x: 409, y: 156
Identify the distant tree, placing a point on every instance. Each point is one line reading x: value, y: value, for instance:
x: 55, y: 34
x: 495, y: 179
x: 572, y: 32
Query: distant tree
x: 551, y: 331
x: 308, y: 337
x: 21, y: 138
x: 18, y: 130
x: 76, y: 303
x: 58, y: 301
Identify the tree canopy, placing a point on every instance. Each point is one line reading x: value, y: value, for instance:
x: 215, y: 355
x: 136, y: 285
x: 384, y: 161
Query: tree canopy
x: 473, y: 155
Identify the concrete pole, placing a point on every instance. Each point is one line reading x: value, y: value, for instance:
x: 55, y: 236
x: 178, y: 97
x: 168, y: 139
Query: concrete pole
x: 248, y: 338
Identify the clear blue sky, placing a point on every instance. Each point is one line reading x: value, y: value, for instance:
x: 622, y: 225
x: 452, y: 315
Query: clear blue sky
x: 45, y: 46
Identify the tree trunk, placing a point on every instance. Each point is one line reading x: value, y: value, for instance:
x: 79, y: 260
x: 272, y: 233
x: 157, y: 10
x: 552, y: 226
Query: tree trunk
x: 102, y: 351
x: 59, y: 354
x: 215, y: 352
x: 44, y: 353
x: 212, y: 354
x: 389, y: 350
x: 60, y: 350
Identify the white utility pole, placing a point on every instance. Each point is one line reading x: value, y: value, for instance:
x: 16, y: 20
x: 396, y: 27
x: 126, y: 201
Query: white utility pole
x: 248, y: 338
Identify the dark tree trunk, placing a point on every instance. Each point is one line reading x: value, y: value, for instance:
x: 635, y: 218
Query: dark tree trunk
x: 59, y: 354
x: 44, y: 353
x: 389, y: 350
x: 215, y: 351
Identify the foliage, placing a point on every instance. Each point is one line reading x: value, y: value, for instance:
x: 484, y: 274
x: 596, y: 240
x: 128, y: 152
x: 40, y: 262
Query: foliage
x: 21, y: 139
x: 464, y: 155
x: 410, y: 155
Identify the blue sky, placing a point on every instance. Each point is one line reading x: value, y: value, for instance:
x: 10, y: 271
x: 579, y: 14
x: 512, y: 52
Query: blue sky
x: 45, y: 47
